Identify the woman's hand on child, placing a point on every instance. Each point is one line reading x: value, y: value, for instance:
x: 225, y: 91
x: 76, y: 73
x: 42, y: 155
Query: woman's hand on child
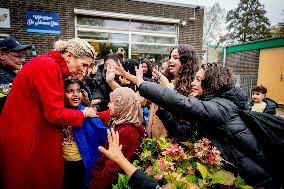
x: 89, y: 112
x: 114, y: 152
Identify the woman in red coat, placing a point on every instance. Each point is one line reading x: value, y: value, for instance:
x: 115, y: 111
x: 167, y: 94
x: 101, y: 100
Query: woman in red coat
x: 30, y: 136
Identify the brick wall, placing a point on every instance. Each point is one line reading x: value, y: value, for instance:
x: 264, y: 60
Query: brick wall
x: 245, y: 64
x: 44, y: 42
x: 191, y: 33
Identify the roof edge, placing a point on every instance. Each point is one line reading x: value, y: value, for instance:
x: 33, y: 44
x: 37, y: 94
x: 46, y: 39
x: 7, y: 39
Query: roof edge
x: 172, y: 3
x: 261, y: 44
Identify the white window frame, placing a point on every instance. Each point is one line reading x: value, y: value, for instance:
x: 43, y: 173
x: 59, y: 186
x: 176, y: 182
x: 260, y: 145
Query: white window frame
x: 129, y: 31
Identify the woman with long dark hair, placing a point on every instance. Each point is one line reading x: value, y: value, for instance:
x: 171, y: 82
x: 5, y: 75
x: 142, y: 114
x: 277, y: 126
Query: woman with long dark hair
x: 147, y: 69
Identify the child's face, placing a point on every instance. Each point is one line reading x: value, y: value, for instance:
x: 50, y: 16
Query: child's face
x: 257, y: 97
x: 73, y: 95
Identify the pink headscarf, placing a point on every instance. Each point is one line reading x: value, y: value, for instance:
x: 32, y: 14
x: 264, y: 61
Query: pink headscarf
x: 127, y: 107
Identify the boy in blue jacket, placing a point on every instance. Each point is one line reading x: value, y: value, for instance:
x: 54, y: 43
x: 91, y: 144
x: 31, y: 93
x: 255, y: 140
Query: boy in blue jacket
x: 260, y: 103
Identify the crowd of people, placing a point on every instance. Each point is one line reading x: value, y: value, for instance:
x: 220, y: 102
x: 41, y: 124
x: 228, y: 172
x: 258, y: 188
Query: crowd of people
x: 63, y: 126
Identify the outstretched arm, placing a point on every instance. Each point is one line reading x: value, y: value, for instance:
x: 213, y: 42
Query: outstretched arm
x: 115, y: 154
x: 137, y: 80
x: 137, y: 179
x: 110, y: 75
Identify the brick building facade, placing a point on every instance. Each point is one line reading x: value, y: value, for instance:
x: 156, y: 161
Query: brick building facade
x: 186, y: 19
x: 245, y: 66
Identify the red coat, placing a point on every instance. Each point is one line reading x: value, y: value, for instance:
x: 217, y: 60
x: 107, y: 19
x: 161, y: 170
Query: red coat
x: 30, y: 136
x: 105, y: 171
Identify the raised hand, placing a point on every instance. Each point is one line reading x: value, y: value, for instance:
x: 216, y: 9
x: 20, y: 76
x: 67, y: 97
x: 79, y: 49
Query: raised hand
x: 123, y: 80
x: 158, y: 77
x: 139, y: 75
x: 119, y: 70
x: 114, y: 151
x: 85, y: 98
x: 110, y: 74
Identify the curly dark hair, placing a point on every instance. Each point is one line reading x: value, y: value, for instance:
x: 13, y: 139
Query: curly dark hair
x: 189, y: 66
x: 150, y: 68
x: 260, y: 89
x: 217, y: 79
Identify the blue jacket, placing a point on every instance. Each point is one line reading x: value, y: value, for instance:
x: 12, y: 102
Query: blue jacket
x: 89, y: 137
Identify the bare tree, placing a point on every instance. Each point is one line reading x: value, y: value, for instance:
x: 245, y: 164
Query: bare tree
x: 214, y: 24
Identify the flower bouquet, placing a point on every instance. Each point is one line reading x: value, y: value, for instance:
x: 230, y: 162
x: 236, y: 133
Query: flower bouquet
x: 185, y: 165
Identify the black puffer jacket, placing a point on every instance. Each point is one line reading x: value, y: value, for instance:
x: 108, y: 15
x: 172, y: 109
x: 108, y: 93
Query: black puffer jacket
x: 217, y: 119
x: 177, y: 128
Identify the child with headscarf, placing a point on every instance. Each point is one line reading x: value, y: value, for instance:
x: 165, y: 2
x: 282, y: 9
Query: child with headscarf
x: 125, y: 115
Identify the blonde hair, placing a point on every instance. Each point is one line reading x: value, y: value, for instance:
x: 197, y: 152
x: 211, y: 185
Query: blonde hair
x: 79, y: 47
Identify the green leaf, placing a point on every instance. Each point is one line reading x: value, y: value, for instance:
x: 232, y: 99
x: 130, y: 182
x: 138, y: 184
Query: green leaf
x: 135, y: 162
x: 145, y: 154
x: 224, y: 178
x: 163, y: 143
x: 188, y: 144
x: 203, y: 170
x: 240, y: 183
x: 192, y: 179
x: 122, y: 182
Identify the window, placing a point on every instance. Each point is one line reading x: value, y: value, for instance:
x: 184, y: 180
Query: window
x: 138, y: 39
x: 103, y: 36
x: 104, y: 23
x: 153, y: 27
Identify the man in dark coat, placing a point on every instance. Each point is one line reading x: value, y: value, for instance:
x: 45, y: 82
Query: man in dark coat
x: 12, y: 57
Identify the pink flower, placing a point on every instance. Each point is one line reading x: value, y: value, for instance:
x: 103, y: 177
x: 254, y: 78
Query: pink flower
x: 190, y: 171
x: 173, y: 150
x: 162, y: 164
x: 150, y: 170
x: 206, y: 141
x: 159, y: 176
x: 211, y: 158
